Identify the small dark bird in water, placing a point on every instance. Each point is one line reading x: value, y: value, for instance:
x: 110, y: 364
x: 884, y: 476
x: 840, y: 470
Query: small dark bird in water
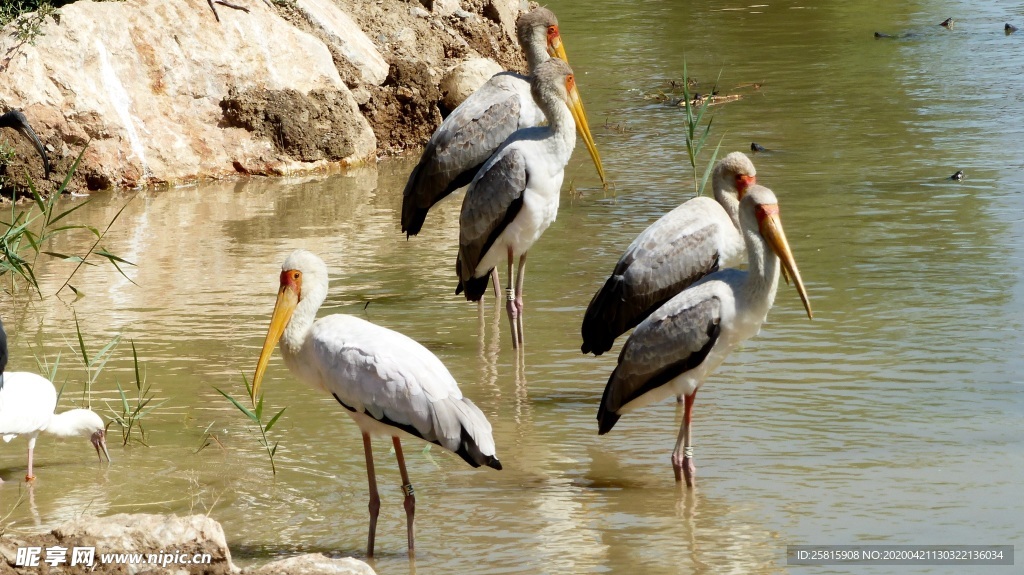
x: 1009, y: 29
x: 958, y: 176
x: 15, y: 119
x: 755, y: 147
x: 883, y: 35
x: 947, y: 23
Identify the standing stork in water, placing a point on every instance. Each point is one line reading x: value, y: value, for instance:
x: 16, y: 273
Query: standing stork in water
x: 475, y: 129
x: 695, y: 239
x: 15, y: 119
x: 27, y: 402
x: 514, y: 197
x: 388, y: 383
x: 676, y: 348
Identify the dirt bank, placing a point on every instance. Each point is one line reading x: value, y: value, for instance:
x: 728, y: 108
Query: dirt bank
x: 165, y: 94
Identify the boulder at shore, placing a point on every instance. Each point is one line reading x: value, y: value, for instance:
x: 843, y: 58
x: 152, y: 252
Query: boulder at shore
x: 168, y: 545
x: 164, y: 93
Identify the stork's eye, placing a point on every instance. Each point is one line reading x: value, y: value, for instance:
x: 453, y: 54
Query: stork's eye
x: 296, y: 275
x: 570, y: 81
x: 552, y: 31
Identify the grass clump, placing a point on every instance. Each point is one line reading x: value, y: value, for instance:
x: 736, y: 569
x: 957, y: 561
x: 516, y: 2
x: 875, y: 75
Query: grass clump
x: 131, y: 415
x: 255, y: 415
x: 697, y: 133
x: 24, y: 236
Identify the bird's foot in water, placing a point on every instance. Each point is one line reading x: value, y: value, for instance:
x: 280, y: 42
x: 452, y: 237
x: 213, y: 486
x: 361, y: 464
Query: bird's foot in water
x: 511, y: 304
x: 684, y: 469
x: 689, y: 472
x: 513, y: 315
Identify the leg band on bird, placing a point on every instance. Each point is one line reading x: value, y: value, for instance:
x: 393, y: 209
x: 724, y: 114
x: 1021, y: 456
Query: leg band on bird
x: 408, y: 490
x: 510, y: 294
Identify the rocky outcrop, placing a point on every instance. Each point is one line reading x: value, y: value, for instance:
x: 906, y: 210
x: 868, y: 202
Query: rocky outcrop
x: 163, y: 544
x: 464, y: 79
x: 145, y: 534
x: 313, y: 564
x: 164, y: 93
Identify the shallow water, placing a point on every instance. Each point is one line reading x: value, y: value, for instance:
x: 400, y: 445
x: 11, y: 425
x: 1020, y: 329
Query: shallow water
x: 895, y: 416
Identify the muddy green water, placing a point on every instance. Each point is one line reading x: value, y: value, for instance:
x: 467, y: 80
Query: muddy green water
x: 895, y: 416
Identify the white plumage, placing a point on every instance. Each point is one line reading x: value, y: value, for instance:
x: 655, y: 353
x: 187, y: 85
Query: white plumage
x: 676, y: 348
x: 477, y: 127
x: 514, y: 197
x: 698, y: 237
x: 387, y: 382
x: 27, y: 402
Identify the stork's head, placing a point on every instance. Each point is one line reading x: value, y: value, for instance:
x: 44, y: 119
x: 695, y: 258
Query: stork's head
x: 539, y: 27
x: 759, y: 209
x: 556, y: 77
x: 733, y: 175
x: 83, y: 422
x: 303, y: 282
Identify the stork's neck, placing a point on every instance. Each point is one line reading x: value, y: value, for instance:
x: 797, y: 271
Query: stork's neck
x: 313, y: 296
x: 563, y: 128
x: 762, y: 271
x: 72, y: 423
x: 536, y: 52
x: 729, y: 201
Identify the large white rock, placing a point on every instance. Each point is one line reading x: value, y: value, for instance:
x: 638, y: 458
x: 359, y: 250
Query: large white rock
x: 142, y: 82
x: 466, y: 78
x: 344, y: 36
x: 504, y: 13
x: 313, y: 564
x: 151, y: 534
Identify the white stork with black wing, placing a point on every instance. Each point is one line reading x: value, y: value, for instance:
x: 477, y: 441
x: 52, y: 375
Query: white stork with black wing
x: 676, y: 348
x: 514, y: 197
x: 698, y: 237
x: 388, y: 383
x: 27, y: 402
x: 475, y: 129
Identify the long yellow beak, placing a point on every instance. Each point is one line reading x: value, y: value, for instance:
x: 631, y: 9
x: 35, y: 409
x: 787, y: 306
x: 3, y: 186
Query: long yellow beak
x: 287, y: 299
x: 771, y: 230
x: 580, y: 117
x: 557, y: 50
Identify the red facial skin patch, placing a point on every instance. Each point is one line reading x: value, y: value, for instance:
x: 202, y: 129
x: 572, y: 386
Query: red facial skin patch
x: 292, y: 279
x: 763, y: 211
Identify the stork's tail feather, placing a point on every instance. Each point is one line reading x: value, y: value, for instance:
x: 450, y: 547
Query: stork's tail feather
x: 470, y: 452
x: 602, y: 322
x: 413, y: 214
x: 606, y: 418
x: 474, y: 287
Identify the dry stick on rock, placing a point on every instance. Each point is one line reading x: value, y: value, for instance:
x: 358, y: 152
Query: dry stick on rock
x: 212, y: 4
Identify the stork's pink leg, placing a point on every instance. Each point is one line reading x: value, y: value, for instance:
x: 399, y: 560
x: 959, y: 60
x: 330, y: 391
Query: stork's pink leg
x: 682, y: 456
x: 495, y: 285
x: 410, y: 497
x: 510, y: 302
x: 29, y: 476
x: 520, y: 274
x: 374, y: 495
